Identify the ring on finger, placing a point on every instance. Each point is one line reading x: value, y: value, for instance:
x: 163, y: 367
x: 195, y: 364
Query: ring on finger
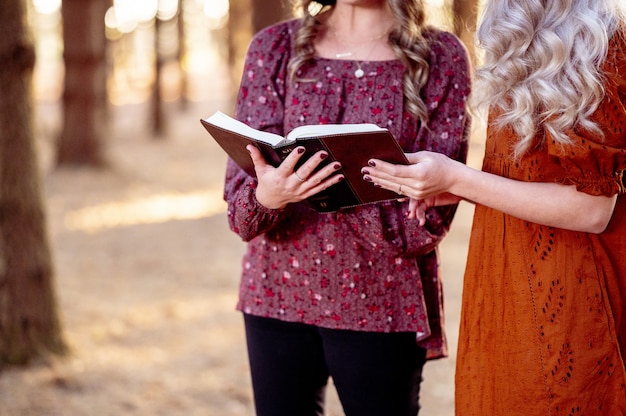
x: 298, y: 176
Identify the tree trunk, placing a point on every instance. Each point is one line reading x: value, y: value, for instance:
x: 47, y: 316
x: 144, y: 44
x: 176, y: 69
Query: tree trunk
x: 239, y: 34
x: 267, y: 12
x: 84, y: 106
x: 157, y: 113
x: 182, y: 55
x: 246, y: 17
x: 465, y: 14
x: 29, y: 324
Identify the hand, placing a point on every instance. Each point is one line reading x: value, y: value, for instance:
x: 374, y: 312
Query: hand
x: 418, y: 207
x: 280, y: 186
x: 427, y: 180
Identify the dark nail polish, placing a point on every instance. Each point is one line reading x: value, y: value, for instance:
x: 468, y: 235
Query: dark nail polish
x: 365, y: 172
x: 300, y: 150
x: 341, y: 179
x: 377, y: 185
x: 371, y: 163
x: 337, y: 166
x: 367, y: 179
x: 324, y: 155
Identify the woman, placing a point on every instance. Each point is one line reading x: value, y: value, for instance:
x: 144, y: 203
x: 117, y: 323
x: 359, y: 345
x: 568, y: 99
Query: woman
x: 353, y: 294
x: 543, y: 315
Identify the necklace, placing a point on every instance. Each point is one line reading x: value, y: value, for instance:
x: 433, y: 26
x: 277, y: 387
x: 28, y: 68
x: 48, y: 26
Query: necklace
x: 358, y: 73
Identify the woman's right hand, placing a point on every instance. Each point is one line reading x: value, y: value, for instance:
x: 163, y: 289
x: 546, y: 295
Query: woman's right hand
x: 426, y: 180
x: 282, y: 185
x: 428, y: 174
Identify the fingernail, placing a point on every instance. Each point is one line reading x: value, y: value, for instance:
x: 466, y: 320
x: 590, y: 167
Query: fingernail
x: 341, y: 178
x: 365, y: 171
x: 300, y: 150
x: 337, y: 166
x: 371, y: 163
x: 324, y: 155
x: 367, y: 178
x: 377, y: 185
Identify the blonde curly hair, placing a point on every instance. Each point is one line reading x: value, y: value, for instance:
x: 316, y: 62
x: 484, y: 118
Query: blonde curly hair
x: 406, y: 39
x: 542, y: 64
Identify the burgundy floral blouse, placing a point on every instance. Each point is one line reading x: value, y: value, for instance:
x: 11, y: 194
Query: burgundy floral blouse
x: 366, y: 268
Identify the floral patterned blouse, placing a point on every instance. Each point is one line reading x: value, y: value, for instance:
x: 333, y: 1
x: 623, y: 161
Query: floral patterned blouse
x: 366, y: 268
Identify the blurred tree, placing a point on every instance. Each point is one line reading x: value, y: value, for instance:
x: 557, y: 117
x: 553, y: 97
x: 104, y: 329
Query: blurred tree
x: 181, y: 55
x: 465, y: 14
x: 245, y: 18
x: 239, y: 34
x: 167, y: 50
x: 265, y: 13
x: 84, y: 102
x: 157, y: 114
x: 29, y: 324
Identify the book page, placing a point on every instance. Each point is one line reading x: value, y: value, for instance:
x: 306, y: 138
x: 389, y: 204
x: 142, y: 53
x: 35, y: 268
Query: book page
x: 328, y: 129
x: 228, y: 123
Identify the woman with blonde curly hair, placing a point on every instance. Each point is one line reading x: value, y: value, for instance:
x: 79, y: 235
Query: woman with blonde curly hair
x: 543, y: 325
x: 353, y: 294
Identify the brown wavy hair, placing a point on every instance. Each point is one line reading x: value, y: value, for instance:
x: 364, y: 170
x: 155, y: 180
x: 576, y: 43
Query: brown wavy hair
x: 406, y: 39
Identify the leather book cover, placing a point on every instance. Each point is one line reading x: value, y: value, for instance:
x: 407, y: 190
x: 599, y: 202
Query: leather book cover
x: 352, y: 150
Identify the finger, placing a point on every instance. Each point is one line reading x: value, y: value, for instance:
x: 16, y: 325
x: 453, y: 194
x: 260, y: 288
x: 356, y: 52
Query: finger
x: 380, y: 170
x: 417, y: 209
x: 317, y: 188
x: 323, y: 173
x: 391, y: 185
x: 256, y: 156
x: 288, y: 165
x: 412, y: 213
x: 377, y: 165
x: 313, y: 163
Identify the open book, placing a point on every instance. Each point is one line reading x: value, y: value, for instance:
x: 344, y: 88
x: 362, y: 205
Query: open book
x: 350, y: 144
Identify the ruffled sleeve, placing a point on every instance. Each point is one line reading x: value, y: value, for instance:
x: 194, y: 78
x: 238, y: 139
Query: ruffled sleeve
x: 260, y: 104
x: 596, y: 165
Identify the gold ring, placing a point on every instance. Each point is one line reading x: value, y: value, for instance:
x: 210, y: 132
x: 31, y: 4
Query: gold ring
x: 298, y: 176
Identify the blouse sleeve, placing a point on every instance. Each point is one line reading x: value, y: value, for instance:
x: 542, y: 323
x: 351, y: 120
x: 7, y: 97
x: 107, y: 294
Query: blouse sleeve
x: 260, y: 104
x: 596, y: 166
x: 385, y: 227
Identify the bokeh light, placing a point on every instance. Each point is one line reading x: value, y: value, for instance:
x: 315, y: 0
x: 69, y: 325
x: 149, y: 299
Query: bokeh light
x: 216, y: 11
x: 47, y: 6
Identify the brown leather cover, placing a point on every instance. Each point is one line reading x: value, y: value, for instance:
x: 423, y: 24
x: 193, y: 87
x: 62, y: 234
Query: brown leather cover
x: 352, y: 150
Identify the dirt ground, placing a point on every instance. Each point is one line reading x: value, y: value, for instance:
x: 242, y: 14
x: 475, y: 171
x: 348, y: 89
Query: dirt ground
x: 146, y: 277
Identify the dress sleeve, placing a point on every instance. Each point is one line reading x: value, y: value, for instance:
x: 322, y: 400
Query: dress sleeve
x: 260, y: 104
x: 385, y: 226
x: 596, y: 165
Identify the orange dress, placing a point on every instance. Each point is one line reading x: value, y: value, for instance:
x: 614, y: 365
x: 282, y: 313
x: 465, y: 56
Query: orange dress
x: 543, y: 317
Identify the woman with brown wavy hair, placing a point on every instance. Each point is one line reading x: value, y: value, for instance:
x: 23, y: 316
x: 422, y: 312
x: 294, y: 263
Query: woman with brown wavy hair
x: 353, y: 294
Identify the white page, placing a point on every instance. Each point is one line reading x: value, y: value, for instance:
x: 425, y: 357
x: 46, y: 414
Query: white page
x: 222, y: 120
x: 324, y: 129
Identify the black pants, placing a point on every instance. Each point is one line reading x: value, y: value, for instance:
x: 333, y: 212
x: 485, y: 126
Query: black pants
x: 376, y: 374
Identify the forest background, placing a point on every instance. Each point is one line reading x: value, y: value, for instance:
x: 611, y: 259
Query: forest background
x: 118, y: 274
